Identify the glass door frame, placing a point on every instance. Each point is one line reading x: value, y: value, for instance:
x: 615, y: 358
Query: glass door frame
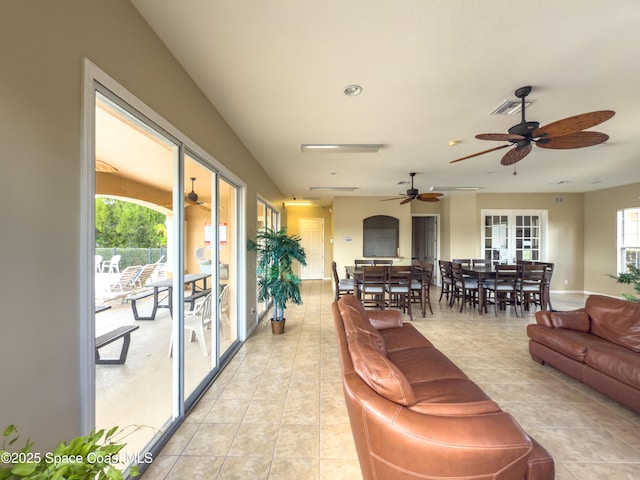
x: 94, y: 80
x: 511, y: 228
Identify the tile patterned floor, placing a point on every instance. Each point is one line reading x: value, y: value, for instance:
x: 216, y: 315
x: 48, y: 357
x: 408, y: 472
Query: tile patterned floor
x: 277, y: 411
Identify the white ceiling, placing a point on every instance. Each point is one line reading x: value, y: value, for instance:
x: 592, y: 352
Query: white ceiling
x: 431, y: 71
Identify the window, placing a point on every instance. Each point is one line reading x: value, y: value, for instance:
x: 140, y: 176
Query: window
x: 628, y: 238
x: 380, y: 236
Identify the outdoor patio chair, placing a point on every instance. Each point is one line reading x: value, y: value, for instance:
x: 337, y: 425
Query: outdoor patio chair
x: 126, y: 282
x: 196, y: 322
x: 112, y: 265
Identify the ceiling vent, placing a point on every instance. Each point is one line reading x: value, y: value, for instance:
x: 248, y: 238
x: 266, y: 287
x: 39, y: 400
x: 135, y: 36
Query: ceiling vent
x: 558, y: 200
x: 509, y: 107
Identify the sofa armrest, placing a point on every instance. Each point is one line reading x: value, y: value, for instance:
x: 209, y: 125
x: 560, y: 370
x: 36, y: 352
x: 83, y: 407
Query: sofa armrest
x: 394, y: 441
x: 572, y: 320
x: 381, y: 319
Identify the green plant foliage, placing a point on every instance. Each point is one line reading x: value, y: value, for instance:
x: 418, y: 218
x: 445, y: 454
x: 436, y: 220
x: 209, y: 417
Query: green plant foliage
x: 631, y: 277
x: 126, y: 224
x: 88, y: 457
x: 276, y: 253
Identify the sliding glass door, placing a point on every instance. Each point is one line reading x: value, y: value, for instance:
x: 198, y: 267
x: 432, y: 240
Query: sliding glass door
x: 165, y: 270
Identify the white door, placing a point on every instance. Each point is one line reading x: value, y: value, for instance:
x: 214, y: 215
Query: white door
x: 312, y: 235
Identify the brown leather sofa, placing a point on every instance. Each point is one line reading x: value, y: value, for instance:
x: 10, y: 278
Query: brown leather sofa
x: 598, y: 345
x: 415, y: 414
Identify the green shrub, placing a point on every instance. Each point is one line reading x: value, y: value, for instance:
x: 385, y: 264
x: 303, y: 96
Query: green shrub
x: 89, y: 457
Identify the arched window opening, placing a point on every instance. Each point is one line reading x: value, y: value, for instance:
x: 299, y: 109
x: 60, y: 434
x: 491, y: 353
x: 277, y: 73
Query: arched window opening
x: 380, y: 236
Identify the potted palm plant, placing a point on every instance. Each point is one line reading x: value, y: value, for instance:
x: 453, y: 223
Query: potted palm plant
x: 276, y: 252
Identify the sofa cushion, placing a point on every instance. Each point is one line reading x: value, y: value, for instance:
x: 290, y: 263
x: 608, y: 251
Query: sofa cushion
x: 377, y: 371
x: 572, y: 343
x: 615, y: 320
x: 616, y: 362
x: 403, y: 338
x: 452, y: 396
x: 354, y: 322
x: 424, y: 365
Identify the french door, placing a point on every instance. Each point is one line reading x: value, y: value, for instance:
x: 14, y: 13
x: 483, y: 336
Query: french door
x: 512, y: 235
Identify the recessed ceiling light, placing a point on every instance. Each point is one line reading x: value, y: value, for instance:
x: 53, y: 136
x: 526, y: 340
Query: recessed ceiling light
x: 352, y: 90
x: 453, y: 143
x: 341, y: 147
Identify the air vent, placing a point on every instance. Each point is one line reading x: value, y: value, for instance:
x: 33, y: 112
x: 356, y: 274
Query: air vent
x: 509, y: 107
x: 558, y: 200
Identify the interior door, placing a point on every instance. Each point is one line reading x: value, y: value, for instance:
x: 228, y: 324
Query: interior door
x: 312, y: 235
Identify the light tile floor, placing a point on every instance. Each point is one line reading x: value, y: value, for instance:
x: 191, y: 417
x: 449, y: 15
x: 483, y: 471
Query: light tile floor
x: 277, y: 411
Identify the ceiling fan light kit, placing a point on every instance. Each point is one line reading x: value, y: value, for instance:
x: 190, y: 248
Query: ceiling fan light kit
x: 563, y: 134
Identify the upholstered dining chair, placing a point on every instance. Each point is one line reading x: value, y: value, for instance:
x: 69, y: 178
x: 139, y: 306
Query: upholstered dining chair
x: 504, y: 288
x: 398, y: 288
x: 371, y: 290
x: 342, y: 286
x: 531, y: 286
x: 465, y: 289
x: 446, y: 279
x: 421, y: 284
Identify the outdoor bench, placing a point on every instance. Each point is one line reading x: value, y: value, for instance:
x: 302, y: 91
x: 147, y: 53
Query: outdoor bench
x: 123, y: 332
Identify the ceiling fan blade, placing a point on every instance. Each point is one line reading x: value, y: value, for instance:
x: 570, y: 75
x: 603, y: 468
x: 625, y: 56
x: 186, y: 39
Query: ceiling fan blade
x: 481, y: 153
x: 394, y: 198
x: 429, y: 199
x: 574, y: 140
x: 516, y: 154
x: 406, y: 200
x: 425, y: 197
x: 574, y: 124
x: 500, y: 137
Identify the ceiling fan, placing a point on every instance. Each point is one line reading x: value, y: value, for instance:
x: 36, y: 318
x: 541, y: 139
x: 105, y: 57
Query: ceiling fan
x: 562, y: 134
x: 191, y: 199
x: 412, y: 194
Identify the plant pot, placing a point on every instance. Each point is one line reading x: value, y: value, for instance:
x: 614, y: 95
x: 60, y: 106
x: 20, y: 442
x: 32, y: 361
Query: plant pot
x: 277, y: 328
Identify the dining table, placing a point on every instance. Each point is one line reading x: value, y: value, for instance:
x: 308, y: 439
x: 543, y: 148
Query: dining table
x: 166, y: 286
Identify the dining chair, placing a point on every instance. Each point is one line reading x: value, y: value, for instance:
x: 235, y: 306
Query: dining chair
x: 531, y: 289
x: 465, y: 288
x: 383, y: 262
x: 342, y: 286
x: 398, y: 288
x: 480, y: 262
x: 421, y: 284
x: 547, y: 283
x: 465, y: 262
x: 371, y: 290
x: 504, y: 288
x: 446, y: 279
x: 362, y: 262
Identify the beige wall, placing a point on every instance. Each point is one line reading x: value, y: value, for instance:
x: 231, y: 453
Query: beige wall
x: 600, y: 259
x: 43, y: 46
x: 460, y: 221
x: 349, y: 212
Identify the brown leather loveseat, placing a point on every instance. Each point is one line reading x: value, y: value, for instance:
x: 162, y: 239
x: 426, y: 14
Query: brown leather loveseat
x: 598, y: 345
x: 414, y: 414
